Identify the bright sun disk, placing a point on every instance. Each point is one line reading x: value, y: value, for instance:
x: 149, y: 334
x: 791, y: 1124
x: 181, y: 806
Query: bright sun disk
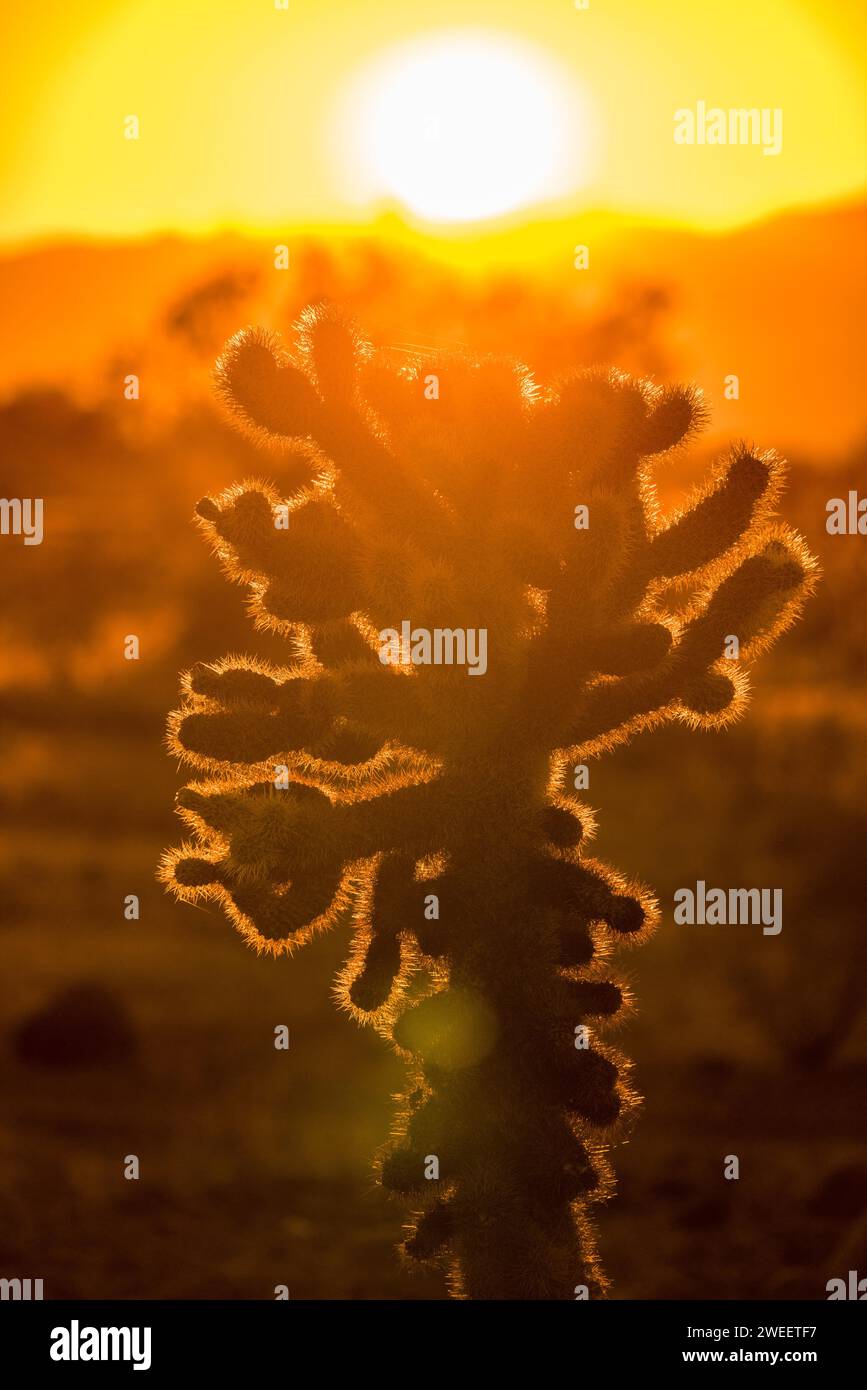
x: 462, y: 127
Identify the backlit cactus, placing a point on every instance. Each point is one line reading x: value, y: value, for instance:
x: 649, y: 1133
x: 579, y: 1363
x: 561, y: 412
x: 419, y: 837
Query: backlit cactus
x: 437, y: 813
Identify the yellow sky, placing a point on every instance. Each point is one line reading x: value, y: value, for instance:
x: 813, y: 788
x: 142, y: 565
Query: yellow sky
x: 247, y: 115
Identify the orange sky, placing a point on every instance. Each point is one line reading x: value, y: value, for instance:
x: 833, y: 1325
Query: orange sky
x: 251, y: 117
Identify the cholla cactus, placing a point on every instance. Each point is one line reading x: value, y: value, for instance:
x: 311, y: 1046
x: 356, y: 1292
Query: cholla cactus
x: 434, y: 811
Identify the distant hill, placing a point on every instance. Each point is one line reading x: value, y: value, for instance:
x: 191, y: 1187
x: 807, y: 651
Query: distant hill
x: 781, y: 304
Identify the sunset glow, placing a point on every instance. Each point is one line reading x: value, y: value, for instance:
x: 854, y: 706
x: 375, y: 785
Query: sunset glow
x: 461, y: 126
x: 244, y: 124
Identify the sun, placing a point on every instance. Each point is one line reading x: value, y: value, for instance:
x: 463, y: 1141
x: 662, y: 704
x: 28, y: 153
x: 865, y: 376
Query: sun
x: 466, y: 126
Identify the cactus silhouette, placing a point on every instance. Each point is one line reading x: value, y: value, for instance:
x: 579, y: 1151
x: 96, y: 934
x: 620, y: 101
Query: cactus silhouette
x: 436, y: 812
